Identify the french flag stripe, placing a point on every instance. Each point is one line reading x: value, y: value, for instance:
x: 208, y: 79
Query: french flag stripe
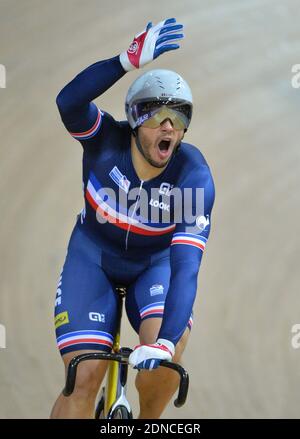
x: 187, y: 242
x: 156, y: 308
x: 92, y: 131
x: 156, y: 304
x: 85, y: 333
x: 119, y: 219
x: 84, y: 340
x: 189, y: 239
x: 94, y: 186
x: 190, y: 235
x: 82, y: 337
x: 159, y: 311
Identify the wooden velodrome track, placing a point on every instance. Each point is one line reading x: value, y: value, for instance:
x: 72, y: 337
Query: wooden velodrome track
x: 237, y: 57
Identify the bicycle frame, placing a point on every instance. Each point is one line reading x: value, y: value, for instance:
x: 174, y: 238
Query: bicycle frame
x: 115, y: 389
x: 117, y: 374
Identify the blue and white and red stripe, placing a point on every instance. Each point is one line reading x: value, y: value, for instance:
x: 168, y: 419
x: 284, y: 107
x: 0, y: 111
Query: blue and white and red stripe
x: 85, y: 337
x: 153, y: 310
x: 119, y: 219
x: 92, y: 131
x: 189, y: 239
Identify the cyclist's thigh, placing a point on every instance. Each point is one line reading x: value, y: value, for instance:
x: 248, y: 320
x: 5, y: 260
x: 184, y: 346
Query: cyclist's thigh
x: 91, y: 371
x: 70, y: 355
x: 86, y: 304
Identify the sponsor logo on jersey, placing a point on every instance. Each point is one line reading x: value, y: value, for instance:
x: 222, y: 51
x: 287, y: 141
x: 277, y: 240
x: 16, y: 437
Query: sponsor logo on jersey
x: 61, y: 319
x: 156, y: 289
x: 161, y: 205
x: 165, y: 189
x: 120, y: 179
x: 202, y: 222
x: 97, y: 317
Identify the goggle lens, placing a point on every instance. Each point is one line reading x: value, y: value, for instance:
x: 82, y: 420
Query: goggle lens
x: 176, y: 118
x: 152, y: 114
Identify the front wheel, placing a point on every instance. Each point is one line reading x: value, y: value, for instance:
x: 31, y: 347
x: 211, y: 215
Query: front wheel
x: 121, y: 412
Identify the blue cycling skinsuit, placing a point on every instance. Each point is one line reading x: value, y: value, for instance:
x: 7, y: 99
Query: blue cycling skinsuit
x: 114, y: 240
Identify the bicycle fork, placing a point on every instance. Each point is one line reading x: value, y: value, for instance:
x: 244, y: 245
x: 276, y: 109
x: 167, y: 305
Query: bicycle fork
x: 116, y: 386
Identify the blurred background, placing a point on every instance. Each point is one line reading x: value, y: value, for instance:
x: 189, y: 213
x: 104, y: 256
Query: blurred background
x: 237, y: 57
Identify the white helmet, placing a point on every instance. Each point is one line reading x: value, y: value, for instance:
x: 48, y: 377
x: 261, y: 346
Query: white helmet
x: 159, y: 88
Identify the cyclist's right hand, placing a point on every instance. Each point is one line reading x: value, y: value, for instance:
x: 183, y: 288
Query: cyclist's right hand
x: 149, y: 356
x: 150, y: 43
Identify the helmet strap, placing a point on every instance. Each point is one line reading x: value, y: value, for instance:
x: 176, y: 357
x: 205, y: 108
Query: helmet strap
x: 138, y: 143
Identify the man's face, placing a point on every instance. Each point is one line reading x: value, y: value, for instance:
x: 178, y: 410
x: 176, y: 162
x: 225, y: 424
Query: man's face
x: 159, y: 143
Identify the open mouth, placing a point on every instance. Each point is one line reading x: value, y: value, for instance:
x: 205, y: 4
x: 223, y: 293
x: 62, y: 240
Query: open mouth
x: 164, y: 145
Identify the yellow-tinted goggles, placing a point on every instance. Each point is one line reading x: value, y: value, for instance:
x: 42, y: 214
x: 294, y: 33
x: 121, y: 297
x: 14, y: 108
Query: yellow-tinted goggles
x: 152, y: 114
x: 176, y: 118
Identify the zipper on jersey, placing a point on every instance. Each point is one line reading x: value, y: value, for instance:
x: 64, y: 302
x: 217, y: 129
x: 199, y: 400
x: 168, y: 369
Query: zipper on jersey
x: 134, y: 210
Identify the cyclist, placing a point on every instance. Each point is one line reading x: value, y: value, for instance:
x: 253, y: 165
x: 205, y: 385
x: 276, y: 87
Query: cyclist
x: 141, y: 225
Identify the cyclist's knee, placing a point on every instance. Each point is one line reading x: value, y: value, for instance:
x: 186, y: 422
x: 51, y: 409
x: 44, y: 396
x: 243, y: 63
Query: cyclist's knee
x: 87, y: 380
x: 89, y: 376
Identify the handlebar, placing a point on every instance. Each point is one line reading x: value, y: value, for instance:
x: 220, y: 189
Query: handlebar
x: 122, y: 357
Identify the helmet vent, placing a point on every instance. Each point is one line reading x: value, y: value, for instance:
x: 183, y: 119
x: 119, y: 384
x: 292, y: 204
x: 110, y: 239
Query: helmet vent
x: 160, y: 83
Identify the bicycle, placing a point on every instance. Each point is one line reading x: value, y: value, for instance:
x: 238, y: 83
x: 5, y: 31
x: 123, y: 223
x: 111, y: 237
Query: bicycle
x: 113, y: 403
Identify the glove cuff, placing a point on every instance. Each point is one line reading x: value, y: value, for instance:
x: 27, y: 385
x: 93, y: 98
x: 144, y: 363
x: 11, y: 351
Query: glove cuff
x: 168, y: 344
x: 126, y: 64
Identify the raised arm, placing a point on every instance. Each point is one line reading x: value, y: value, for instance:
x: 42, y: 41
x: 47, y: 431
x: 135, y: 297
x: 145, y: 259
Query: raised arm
x: 79, y: 114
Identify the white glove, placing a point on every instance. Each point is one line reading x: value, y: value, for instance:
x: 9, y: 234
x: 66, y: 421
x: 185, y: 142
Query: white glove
x: 149, y: 356
x: 150, y: 43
